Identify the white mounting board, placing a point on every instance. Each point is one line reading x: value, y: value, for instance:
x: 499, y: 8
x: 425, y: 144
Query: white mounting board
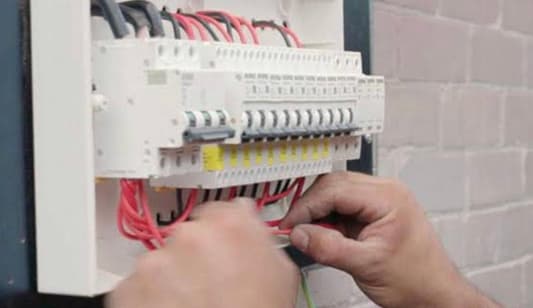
x: 79, y: 251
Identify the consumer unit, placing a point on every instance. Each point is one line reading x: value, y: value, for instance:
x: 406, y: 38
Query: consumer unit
x: 143, y: 110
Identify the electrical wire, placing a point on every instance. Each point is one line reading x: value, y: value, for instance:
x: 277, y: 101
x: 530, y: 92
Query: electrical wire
x: 134, y: 217
x: 278, y: 187
x: 286, y: 186
x: 186, y: 25
x: 151, y: 13
x: 217, y: 25
x: 199, y: 28
x: 175, y: 25
x: 232, y: 20
x: 179, y: 200
x: 306, y: 291
x: 218, y: 195
x: 255, y: 187
x: 135, y: 17
x: 232, y: 193
x: 207, y: 192
x: 224, y: 20
x: 293, y: 35
x: 242, y: 192
x: 273, y: 25
x: 111, y: 11
x: 205, y: 25
x: 250, y: 28
x: 135, y: 221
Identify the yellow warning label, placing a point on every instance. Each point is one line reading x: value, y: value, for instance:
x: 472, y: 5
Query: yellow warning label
x: 283, y: 152
x: 234, y: 156
x: 213, y: 157
x: 258, y: 153
x: 305, y: 150
x: 315, y: 151
x: 270, y: 154
x: 246, y: 156
x: 294, y: 151
x: 325, y: 150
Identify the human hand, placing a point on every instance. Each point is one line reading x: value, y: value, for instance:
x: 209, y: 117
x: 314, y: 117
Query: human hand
x: 223, y: 258
x: 383, y: 240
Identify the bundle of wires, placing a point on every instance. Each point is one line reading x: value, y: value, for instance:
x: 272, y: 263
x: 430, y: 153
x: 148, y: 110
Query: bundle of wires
x: 135, y: 220
x: 206, y: 22
x: 134, y: 216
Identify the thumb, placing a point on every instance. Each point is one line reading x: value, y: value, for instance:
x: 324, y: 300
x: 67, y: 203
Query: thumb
x: 330, y: 247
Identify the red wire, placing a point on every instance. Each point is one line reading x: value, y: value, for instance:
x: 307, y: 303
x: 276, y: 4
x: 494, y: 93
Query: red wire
x: 289, y: 32
x: 217, y: 25
x: 250, y: 28
x: 234, y: 21
x: 267, y: 198
x: 186, y: 25
x: 232, y: 193
x: 262, y: 201
x: 152, y: 226
x: 128, y: 198
x: 201, y: 30
x: 136, y: 222
x: 299, y: 184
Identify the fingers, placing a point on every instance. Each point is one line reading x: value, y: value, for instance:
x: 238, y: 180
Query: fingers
x: 330, y: 247
x: 235, y: 218
x: 345, y: 193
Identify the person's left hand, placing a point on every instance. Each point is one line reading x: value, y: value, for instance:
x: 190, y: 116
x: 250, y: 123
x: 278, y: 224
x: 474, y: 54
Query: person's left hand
x: 223, y: 258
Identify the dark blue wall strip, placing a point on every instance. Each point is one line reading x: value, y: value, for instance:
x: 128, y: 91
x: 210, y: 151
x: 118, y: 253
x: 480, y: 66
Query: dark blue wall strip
x: 16, y: 202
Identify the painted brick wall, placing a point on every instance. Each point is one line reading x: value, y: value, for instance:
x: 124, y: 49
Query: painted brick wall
x: 459, y: 132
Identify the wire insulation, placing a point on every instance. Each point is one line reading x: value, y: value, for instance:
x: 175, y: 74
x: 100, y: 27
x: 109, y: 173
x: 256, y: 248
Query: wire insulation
x: 217, y: 25
x: 306, y: 291
x: 186, y: 25
x: 232, y: 19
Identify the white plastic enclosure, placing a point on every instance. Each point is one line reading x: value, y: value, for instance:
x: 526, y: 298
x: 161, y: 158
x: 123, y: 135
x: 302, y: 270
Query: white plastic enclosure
x: 132, y: 124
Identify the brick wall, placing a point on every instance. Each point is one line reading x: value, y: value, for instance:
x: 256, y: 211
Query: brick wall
x: 459, y: 132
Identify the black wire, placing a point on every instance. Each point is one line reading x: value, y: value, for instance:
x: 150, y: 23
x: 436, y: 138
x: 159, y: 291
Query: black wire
x: 223, y: 19
x: 205, y: 25
x: 179, y: 201
x: 276, y: 191
x: 206, y: 195
x: 111, y: 11
x: 135, y: 17
x: 271, y: 24
x: 242, y: 192
x: 219, y: 194
x: 152, y: 14
x: 286, y: 186
x: 175, y: 25
x: 254, y: 190
x: 278, y: 188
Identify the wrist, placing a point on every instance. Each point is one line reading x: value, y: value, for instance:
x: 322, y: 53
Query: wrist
x: 458, y: 292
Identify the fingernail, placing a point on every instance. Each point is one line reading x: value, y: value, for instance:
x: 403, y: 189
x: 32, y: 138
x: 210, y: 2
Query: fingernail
x: 300, y: 238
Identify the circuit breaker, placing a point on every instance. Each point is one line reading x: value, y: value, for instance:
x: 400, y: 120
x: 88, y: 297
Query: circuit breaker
x: 168, y: 104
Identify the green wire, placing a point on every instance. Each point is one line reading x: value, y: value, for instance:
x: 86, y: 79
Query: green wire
x: 307, y: 293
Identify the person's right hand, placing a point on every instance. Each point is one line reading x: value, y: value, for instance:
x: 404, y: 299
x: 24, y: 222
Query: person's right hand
x: 384, y: 241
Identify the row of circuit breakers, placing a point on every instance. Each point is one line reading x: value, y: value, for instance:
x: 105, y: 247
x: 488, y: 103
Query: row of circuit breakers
x: 192, y: 114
